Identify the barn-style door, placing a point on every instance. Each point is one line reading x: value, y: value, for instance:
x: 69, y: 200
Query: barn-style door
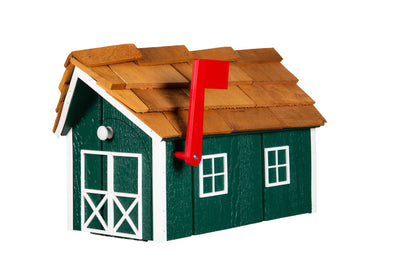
x: 111, y: 193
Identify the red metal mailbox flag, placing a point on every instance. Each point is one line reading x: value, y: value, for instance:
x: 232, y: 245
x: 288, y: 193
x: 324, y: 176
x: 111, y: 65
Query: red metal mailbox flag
x: 206, y: 74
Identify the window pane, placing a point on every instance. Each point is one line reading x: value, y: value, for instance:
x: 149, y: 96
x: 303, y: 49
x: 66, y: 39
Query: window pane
x: 281, y: 156
x: 207, y: 185
x: 219, y: 165
x: 271, y: 158
x: 126, y: 174
x: 219, y: 183
x: 207, y: 167
x: 95, y: 172
x: 272, y: 175
x: 282, y: 174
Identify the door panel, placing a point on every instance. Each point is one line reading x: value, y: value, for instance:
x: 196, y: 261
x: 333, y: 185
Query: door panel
x: 105, y: 209
x: 95, y: 171
x: 126, y: 174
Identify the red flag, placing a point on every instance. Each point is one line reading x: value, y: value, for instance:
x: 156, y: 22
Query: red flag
x: 206, y: 74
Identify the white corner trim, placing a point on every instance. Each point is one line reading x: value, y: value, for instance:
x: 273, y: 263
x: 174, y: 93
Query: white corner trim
x: 159, y: 191
x: 70, y: 185
x: 313, y: 171
x: 78, y: 73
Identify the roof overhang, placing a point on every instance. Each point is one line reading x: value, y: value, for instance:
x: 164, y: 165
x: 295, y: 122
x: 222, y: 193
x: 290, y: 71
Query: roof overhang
x: 63, y: 127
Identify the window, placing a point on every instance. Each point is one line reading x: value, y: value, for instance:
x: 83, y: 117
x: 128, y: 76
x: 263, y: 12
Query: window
x: 213, y: 175
x: 277, y: 166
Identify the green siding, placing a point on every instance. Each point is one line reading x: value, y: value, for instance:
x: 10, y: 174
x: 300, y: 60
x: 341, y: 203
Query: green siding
x: 243, y: 203
x: 130, y: 139
x: 294, y: 198
x: 84, y: 137
x: 179, y: 193
x: 82, y: 99
x: 248, y: 200
x: 127, y: 138
x: 189, y: 214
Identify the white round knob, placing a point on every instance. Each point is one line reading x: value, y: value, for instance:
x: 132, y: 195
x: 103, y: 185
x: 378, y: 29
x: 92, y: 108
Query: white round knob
x: 104, y: 133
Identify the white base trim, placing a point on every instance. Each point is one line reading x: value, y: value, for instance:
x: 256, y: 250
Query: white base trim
x: 313, y: 171
x: 70, y: 186
x: 159, y: 191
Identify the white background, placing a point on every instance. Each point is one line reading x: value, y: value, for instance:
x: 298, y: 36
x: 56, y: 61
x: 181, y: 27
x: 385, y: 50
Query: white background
x: 346, y: 55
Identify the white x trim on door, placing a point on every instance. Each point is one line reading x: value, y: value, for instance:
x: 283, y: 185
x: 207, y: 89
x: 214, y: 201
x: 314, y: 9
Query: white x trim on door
x: 110, y: 197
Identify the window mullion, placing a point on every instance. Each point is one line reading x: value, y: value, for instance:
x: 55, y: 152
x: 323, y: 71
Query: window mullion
x: 213, y: 175
x: 110, y: 192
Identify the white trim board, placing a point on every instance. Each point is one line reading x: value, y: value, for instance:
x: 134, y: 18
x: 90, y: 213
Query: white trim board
x: 313, y: 171
x: 70, y: 200
x: 159, y: 191
x: 67, y: 103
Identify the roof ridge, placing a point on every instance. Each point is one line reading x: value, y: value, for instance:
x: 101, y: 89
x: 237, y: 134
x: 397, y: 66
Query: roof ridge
x: 217, y: 53
x: 259, y: 55
x: 164, y: 55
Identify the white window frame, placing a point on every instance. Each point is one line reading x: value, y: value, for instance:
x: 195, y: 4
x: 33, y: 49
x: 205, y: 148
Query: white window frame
x: 276, y: 166
x: 213, y: 175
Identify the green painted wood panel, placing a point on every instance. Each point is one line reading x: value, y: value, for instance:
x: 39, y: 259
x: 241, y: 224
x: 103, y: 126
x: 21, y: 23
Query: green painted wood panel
x: 294, y: 198
x: 83, y: 98
x: 127, y: 138
x: 243, y: 203
x: 84, y: 138
x: 179, y: 193
x: 130, y: 139
x: 248, y: 200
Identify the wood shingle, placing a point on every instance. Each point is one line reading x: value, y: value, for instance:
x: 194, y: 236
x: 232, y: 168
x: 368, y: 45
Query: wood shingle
x: 154, y: 84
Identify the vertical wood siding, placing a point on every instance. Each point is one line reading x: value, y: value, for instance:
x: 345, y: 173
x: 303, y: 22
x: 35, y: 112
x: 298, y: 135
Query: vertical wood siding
x: 294, y: 198
x: 248, y: 200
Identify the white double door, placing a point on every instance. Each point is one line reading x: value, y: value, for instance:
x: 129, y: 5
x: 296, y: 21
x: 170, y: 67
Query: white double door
x: 111, y: 193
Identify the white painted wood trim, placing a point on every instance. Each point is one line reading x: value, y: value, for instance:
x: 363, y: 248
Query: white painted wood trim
x: 70, y: 186
x: 276, y: 166
x: 213, y: 174
x: 159, y: 191
x: 67, y: 103
x: 78, y: 73
x: 313, y: 171
x: 111, y: 197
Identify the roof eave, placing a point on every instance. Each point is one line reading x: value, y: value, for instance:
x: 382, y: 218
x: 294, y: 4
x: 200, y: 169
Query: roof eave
x: 62, y: 129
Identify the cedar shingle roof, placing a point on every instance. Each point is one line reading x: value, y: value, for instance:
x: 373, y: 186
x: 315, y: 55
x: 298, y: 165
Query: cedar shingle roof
x: 154, y: 84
